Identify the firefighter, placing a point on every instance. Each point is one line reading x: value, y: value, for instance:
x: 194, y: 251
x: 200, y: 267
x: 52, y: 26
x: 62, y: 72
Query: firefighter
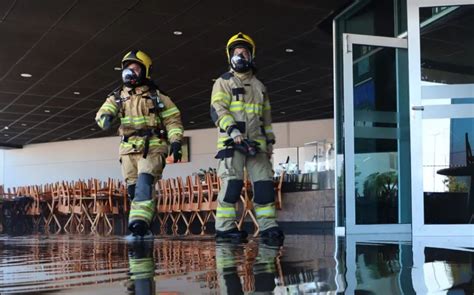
x: 240, y: 108
x: 149, y: 122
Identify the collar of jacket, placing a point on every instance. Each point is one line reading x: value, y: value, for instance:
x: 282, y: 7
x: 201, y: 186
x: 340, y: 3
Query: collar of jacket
x: 136, y: 90
x: 243, y: 76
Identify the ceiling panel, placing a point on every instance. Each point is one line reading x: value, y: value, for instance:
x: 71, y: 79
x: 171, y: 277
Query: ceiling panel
x: 71, y: 50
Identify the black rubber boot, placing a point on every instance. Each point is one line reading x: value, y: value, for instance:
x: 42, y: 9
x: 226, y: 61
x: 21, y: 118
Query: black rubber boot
x: 273, y: 236
x: 138, y: 228
x: 232, y: 234
x: 138, y: 225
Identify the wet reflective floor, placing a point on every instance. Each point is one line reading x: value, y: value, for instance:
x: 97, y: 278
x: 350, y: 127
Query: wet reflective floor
x: 314, y: 264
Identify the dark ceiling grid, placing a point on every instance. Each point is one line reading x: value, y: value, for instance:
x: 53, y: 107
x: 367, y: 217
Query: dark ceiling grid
x: 116, y: 56
x: 59, y: 64
x: 52, y: 70
x: 93, y: 124
x: 196, y: 91
x: 10, y: 8
x: 38, y: 41
x: 93, y: 111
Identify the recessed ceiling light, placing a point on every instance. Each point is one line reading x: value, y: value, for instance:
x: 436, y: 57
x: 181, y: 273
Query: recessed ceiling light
x: 117, y: 68
x: 289, y: 50
x: 299, y: 90
x: 282, y: 112
x: 47, y: 111
x: 24, y: 124
x: 92, y: 129
x: 177, y: 33
x: 69, y: 138
x: 6, y: 127
x: 191, y: 122
x: 76, y: 93
x: 26, y: 75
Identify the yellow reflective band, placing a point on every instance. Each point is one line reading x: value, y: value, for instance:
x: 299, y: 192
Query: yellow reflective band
x: 252, y: 108
x: 170, y: 112
x: 268, y: 129
x: 142, y: 268
x: 237, y: 106
x: 226, y: 121
x: 108, y: 109
x: 138, y: 142
x: 221, y: 141
x: 101, y: 122
x: 142, y: 210
x: 220, y: 96
x: 225, y: 212
x: 267, y: 106
x: 262, y: 143
x: 225, y: 262
x: 139, y: 120
x: 175, y: 131
x: 267, y: 211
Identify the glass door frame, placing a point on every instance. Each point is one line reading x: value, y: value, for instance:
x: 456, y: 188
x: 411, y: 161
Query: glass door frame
x: 349, y: 154
x: 418, y: 111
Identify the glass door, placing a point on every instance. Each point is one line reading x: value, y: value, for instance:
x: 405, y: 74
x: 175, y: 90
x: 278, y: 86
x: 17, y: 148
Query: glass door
x: 441, y: 63
x: 376, y: 131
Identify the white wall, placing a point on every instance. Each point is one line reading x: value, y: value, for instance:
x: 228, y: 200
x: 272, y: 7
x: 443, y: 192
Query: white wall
x: 98, y: 158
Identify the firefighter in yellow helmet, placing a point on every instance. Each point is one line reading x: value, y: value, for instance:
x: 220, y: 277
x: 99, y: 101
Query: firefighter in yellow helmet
x: 240, y: 108
x: 149, y: 121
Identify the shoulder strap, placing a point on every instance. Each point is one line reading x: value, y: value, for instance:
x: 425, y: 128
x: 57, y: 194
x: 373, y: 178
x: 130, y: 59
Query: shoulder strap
x: 227, y: 75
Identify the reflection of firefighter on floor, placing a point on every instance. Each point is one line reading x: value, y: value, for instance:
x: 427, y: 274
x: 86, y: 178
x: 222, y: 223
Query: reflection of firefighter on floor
x: 259, y: 279
x: 141, y: 268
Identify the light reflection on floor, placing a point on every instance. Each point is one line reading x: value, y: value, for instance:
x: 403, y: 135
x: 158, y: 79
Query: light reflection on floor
x: 317, y: 264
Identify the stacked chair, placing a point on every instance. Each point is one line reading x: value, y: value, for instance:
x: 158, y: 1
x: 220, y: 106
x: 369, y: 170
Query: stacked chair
x: 94, y: 206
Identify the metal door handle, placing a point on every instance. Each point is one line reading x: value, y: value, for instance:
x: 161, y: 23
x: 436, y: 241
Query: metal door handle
x: 418, y: 108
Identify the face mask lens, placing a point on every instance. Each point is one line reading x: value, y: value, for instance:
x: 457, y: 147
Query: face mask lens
x: 239, y: 63
x: 238, y: 58
x: 129, y: 76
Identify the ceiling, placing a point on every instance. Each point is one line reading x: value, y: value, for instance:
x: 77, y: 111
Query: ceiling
x: 71, y: 47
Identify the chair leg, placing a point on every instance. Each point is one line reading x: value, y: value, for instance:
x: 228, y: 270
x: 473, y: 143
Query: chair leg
x: 256, y: 226
x: 68, y: 223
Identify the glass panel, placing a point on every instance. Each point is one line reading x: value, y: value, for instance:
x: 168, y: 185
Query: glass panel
x: 375, y: 18
x: 340, y: 198
x: 448, y: 168
x: 448, y: 271
x: 447, y: 45
x: 397, y: 268
x: 376, y: 132
x: 378, y: 269
x: 368, y: 17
